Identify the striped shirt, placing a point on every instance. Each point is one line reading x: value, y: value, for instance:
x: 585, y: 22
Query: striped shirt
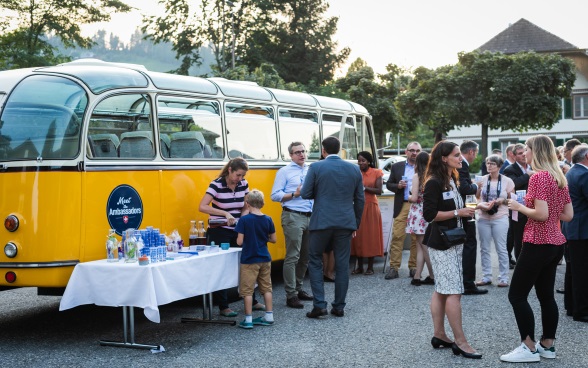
x: 225, y: 199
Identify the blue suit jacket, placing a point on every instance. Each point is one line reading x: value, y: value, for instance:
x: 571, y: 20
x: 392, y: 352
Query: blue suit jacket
x: 337, y: 189
x: 577, y: 229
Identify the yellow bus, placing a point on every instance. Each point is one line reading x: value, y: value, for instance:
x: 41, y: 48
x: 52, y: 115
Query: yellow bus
x: 88, y: 146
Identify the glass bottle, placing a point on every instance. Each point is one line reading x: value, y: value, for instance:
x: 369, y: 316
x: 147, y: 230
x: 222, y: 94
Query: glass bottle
x: 201, y: 234
x: 130, y: 246
x: 111, y: 248
x: 193, y: 233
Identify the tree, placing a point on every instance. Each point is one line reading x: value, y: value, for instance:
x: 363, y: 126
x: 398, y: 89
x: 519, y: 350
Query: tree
x: 518, y: 92
x: 292, y: 35
x: 27, y: 46
x: 297, y: 39
x: 219, y: 24
x: 377, y: 96
x: 427, y: 101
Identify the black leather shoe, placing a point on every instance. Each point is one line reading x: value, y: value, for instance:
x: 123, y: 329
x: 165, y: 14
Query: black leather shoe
x: 458, y: 351
x: 338, y: 312
x: 581, y: 319
x: 475, y: 291
x: 317, y: 312
x: 294, y: 302
x: 438, y: 343
x: 328, y: 279
x: 303, y: 295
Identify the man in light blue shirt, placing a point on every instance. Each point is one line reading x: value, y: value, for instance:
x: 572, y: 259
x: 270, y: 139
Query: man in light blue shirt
x: 295, y: 220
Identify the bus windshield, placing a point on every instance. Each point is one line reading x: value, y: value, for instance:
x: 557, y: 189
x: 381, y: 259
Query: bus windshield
x: 42, y: 120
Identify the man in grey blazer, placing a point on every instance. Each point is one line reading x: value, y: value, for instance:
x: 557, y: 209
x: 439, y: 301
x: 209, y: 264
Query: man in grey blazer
x: 337, y: 189
x: 576, y: 232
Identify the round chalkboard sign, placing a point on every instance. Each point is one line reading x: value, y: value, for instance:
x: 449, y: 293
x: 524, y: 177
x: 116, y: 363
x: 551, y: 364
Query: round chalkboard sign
x: 124, y: 209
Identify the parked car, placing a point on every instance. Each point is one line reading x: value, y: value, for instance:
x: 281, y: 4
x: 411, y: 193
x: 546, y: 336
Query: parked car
x: 386, y: 166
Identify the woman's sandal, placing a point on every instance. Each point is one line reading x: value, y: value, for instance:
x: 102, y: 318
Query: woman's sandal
x: 357, y: 271
x: 369, y: 272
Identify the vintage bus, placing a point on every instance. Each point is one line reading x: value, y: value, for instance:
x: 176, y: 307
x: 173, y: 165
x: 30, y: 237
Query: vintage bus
x: 88, y: 146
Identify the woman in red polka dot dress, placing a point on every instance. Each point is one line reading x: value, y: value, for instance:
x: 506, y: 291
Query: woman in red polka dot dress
x: 547, y: 202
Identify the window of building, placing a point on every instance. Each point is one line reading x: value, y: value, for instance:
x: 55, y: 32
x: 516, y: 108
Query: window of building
x: 581, y: 106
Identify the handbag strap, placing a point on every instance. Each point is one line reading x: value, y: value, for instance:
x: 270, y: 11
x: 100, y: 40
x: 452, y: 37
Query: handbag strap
x: 458, y: 201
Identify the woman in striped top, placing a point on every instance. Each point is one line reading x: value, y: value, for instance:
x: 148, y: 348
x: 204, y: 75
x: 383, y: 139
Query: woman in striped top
x: 225, y: 199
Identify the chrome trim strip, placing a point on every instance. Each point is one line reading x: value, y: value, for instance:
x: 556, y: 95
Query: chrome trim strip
x: 38, y: 264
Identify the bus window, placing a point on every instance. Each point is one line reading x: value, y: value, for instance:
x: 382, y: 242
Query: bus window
x: 42, y: 120
x: 332, y: 127
x: 120, y: 127
x: 251, y: 132
x: 189, y: 128
x: 299, y: 126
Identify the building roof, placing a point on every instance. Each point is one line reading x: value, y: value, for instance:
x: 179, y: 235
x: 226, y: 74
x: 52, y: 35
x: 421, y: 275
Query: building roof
x: 525, y: 36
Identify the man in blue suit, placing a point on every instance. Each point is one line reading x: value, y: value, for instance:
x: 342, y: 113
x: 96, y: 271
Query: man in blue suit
x: 337, y: 189
x: 576, y: 232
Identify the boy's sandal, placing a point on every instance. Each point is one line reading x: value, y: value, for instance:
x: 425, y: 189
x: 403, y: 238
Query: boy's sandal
x: 369, y: 272
x: 258, y: 307
x: 357, y: 271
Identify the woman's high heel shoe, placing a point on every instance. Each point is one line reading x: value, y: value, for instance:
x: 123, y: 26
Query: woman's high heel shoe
x: 437, y: 343
x: 458, y: 351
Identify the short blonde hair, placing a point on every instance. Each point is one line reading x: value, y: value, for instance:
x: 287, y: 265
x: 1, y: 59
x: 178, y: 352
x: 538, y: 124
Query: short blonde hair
x: 255, y: 198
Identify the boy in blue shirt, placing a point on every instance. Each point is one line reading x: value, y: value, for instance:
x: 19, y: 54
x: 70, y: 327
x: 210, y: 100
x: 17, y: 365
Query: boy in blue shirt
x: 254, y: 231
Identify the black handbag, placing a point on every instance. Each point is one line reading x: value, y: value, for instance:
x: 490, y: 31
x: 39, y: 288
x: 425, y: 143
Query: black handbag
x: 452, y: 237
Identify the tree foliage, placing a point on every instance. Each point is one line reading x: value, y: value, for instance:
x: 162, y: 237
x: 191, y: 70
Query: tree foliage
x: 517, y: 92
x: 27, y: 46
x: 377, y: 95
x: 291, y: 35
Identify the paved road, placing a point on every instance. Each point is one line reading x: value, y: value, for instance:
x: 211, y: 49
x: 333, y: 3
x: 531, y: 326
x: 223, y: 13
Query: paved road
x: 386, y: 324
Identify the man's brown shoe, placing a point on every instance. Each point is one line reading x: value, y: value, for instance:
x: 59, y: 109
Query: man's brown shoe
x: 294, y: 302
x: 303, y: 295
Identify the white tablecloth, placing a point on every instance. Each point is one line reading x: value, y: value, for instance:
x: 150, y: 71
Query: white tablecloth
x: 128, y: 284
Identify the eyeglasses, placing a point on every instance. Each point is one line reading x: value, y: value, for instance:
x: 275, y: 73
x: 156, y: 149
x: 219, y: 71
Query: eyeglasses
x: 299, y: 152
x: 414, y: 150
x: 491, y: 164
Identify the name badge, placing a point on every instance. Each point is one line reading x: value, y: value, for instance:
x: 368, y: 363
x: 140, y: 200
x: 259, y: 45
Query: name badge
x: 448, y: 195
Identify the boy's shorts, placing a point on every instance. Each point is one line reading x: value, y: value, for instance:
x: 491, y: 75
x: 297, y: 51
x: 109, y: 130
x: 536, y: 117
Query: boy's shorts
x: 250, y: 273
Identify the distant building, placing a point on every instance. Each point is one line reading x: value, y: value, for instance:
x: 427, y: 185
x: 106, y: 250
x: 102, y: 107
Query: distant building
x: 525, y: 36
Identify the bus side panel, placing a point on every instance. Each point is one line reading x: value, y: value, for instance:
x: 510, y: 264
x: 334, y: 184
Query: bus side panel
x: 182, y: 191
x: 98, y: 187
x: 48, y: 207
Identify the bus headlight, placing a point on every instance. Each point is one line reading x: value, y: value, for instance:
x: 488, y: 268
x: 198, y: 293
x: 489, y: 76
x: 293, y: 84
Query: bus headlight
x: 10, y: 250
x: 11, y: 223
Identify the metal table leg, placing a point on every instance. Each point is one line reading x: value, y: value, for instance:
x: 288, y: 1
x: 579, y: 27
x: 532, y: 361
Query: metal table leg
x: 128, y: 321
x: 207, y: 320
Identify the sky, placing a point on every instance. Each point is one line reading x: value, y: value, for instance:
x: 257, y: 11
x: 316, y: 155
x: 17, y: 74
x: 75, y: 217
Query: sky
x: 412, y: 33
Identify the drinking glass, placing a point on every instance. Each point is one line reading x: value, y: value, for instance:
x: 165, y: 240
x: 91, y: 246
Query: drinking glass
x: 472, y: 203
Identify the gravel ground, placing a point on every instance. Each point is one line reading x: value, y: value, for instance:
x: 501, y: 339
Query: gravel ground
x: 387, y: 324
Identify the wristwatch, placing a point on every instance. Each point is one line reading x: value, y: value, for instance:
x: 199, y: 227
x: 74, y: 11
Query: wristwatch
x: 455, y: 213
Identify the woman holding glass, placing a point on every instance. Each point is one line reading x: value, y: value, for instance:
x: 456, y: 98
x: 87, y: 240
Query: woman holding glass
x: 225, y: 199
x: 369, y: 240
x: 546, y: 204
x: 443, y: 205
x: 493, y: 224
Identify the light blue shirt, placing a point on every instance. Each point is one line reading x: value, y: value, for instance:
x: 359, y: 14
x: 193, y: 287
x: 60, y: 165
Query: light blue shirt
x: 288, y: 178
x: 409, y: 173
